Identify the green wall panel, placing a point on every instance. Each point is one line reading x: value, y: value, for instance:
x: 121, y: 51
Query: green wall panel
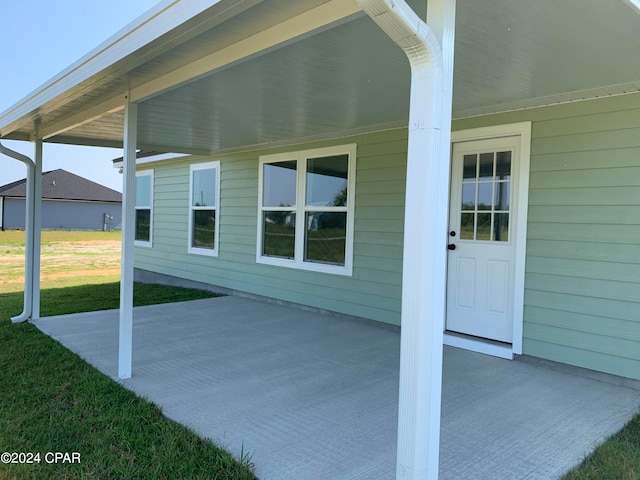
x: 582, y: 280
x: 373, y: 291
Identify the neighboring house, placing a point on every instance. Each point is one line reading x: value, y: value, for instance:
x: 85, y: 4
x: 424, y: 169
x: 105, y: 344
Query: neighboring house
x: 69, y: 202
x: 319, y: 170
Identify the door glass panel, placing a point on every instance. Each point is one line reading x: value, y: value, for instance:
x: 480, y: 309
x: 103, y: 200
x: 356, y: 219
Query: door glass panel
x: 483, y: 231
x: 485, y: 166
x: 501, y: 227
x: 503, y: 165
x: 469, y: 167
x: 502, y: 194
x: 469, y: 196
x: 485, y: 192
x: 486, y: 197
x: 466, y: 226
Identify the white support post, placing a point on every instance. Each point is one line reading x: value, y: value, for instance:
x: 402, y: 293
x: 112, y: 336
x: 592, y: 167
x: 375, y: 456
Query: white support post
x: 37, y: 230
x: 125, y: 350
x: 426, y: 225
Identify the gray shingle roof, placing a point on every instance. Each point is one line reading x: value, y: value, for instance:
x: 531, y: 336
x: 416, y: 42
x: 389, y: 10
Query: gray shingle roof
x: 62, y: 185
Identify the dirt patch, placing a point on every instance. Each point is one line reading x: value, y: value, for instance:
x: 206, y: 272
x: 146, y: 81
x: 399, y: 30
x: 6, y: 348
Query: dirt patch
x: 64, y: 261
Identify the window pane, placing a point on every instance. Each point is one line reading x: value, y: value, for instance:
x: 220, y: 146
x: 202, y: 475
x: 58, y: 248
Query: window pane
x: 486, y: 166
x: 483, y: 231
x: 327, y: 181
x: 143, y: 225
x: 279, y: 234
x: 485, y: 200
x: 503, y: 190
x: 326, y: 237
x: 503, y: 165
x: 466, y: 226
x: 143, y: 191
x: 468, y: 196
x: 469, y: 167
x: 279, y: 184
x: 204, y: 188
x: 501, y: 227
x: 204, y: 228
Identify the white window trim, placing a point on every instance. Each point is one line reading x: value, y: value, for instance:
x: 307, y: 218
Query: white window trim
x: 145, y: 243
x: 297, y: 262
x: 198, y: 250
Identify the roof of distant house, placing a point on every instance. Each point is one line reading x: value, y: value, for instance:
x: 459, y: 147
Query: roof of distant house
x: 62, y: 185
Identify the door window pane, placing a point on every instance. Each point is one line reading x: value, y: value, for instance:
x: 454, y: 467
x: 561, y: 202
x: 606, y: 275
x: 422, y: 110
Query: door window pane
x: 467, y: 226
x: 503, y: 165
x: 468, y: 196
x: 204, y: 188
x: 485, y: 193
x: 279, y: 184
x: 279, y: 236
x: 483, y: 230
x: 327, y: 181
x: 204, y: 228
x: 469, y: 167
x: 326, y: 237
x: 485, y: 170
x: 502, y: 193
x: 501, y: 227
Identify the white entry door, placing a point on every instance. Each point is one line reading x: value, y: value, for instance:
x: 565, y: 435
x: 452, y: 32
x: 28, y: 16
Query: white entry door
x: 482, y: 249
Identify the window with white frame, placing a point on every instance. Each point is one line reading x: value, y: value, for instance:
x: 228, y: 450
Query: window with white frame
x: 204, y: 200
x: 144, y: 208
x: 306, y: 204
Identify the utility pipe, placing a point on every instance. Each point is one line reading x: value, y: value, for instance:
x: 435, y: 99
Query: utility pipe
x: 426, y: 208
x: 28, y: 230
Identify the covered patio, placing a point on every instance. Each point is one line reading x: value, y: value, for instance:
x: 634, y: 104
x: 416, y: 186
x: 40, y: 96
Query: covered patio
x: 312, y: 396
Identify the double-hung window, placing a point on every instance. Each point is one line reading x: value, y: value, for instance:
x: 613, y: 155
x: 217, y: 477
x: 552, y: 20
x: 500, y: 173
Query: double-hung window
x: 306, y: 204
x: 144, y: 208
x: 204, y: 215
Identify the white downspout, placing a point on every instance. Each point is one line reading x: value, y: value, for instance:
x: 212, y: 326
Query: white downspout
x: 426, y: 222
x: 28, y: 230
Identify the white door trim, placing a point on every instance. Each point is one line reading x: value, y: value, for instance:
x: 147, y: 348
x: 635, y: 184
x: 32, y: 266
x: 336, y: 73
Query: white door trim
x: 523, y: 130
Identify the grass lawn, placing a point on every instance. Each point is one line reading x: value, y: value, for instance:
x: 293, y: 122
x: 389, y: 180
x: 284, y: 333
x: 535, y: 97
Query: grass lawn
x: 53, y: 401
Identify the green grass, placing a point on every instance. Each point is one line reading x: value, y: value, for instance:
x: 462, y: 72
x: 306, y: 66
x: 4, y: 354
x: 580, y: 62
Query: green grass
x: 53, y: 401
x: 616, y: 459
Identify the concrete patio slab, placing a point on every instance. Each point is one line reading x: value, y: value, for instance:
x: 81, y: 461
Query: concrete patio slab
x: 312, y: 396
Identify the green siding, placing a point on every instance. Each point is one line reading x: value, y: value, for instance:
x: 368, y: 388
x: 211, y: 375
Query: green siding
x: 374, y: 289
x: 582, y: 283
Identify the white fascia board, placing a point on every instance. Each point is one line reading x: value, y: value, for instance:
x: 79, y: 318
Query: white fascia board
x: 150, y: 26
x: 162, y: 157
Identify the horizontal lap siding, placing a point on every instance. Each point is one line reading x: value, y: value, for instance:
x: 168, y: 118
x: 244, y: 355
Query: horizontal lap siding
x: 372, y: 292
x: 582, y: 285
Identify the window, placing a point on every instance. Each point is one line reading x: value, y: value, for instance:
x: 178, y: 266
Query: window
x: 144, y: 208
x: 306, y: 202
x: 204, y: 217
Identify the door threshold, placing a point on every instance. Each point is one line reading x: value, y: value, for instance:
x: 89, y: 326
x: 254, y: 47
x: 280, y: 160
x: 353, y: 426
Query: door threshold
x: 480, y: 345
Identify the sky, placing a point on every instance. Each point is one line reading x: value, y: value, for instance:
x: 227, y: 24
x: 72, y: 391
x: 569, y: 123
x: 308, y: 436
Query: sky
x: 38, y: 39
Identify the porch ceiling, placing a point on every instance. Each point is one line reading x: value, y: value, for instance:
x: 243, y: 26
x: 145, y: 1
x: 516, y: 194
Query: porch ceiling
x: 344, y: 77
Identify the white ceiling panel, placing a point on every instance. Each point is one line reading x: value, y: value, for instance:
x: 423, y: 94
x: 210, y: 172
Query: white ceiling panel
x: 350, y: 77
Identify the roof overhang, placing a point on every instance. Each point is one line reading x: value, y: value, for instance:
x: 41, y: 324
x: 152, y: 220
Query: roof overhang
x: 219, y: 75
